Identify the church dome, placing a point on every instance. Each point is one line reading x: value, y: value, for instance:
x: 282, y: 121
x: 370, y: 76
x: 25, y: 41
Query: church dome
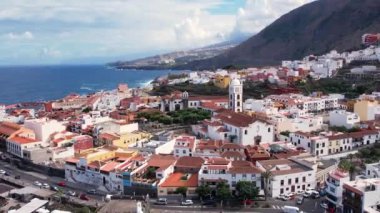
x: 235, y: 82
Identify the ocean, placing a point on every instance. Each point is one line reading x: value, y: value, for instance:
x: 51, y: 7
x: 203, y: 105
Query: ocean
x: 42, y: 83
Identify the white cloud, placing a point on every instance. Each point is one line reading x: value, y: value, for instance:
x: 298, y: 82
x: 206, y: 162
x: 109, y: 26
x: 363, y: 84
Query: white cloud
x: 257, y: 14
x: 20, y: 36
x: 190, y: 31
x: 95, y: 28
x: 49, y: 52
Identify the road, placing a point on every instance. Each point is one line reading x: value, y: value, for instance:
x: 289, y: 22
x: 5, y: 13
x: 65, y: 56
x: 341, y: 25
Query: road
x: 27, y: 178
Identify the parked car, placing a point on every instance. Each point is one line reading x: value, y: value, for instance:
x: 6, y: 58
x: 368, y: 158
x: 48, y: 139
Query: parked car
x: 2, y: 172
x: 91, y: 191
x: 7, y: 174
x: 246, y: 202
x: 46, y: 186
x: 315, y: 195
x: 62, y: 183
x: 161, y: 201
x: 71, y: 193
x: 84, y: 197
x: 54, y: 188
x: 300, y: 192
x: 187, y: 203
x: 17, y: 177
x: 291, y: 209
x: 299, y: 200
x: 280, y: 197
x: 307, y: 194
x: 37, y: 183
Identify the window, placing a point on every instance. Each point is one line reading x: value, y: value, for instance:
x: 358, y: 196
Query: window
x: 323, y: 144
x: 304, y: 179
x: 317, y: 145
x: 308, y: 144
x: 281, y: 191
x: 268, y: 129
x: 296, y: 180
x: 245, y: 131
x: 184, y: 151
x: 176, y: 151
x: 289, y: 181
x: 244, y: 175
x: 282, y: 182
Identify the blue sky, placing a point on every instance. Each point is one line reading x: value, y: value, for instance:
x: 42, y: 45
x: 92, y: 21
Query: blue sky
x: 99, y: 31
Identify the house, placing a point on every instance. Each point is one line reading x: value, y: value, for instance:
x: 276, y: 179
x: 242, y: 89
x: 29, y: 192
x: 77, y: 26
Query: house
x: 217, y: 170
x: 367, y: 109
x: 9, y: 129
x: 187, y: 164
x: 177, y: 180
x: 289, y: 175
x: 316, y: 145
x: 372, y: 170
x: 17, y: 144
x: 256, y: 153
x: 334, y: 186
x: 44, y: 127
x: 184, y: 146
x: 361, y: 195
x: 235, y: 127
x: 343, y: 118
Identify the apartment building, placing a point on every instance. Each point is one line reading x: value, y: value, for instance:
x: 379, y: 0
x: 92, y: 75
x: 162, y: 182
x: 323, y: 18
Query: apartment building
x: 316, y: 145
x: 289, y: 175
x: 343, y: 118
x: 361, y: 195
x: 334, y: 186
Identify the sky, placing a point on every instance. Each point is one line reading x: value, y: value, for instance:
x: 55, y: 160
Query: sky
x: 100, y: 31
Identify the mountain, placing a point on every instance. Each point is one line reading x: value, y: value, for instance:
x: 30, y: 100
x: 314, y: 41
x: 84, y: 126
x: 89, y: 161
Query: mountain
x: 314, y: 28
x: 178, y: 58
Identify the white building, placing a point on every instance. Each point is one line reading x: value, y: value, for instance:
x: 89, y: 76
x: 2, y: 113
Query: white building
x: 316, y: 145
x: 343, y: 118
x: 184, y: 146
x: 361, y: 195
x: 16, y: 145
x: 265, y: 106
x: 44, y: 127
x: 303, y: 123
x: 289, y: 175
x: 372, y: 170
x: 334, y: 184
x: 235, y: 127
x: 215, y: 170
x: 236, y: 95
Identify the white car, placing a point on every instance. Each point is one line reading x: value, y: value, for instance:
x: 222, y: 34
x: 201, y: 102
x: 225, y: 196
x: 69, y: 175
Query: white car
x: 307, y: 194
x: 2, y: 172
x: 37, y: 183
x: 46, y: 186
x: 291, y: 194
x: 187, y: 203
x: 300, y: 192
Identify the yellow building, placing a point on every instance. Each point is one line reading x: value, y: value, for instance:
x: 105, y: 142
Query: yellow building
x: 104, y: 153
x: 130, y: 138
x: 366, y: 109
x: 222, y: 81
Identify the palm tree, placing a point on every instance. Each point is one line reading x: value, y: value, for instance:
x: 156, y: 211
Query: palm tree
x: 266, y: 176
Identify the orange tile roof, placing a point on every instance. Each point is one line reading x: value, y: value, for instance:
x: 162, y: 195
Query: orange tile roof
x: 110, y: 166
x: 21, y: 140
x: 72, y: 160
x: 174, y: 180
x: 8, y: 128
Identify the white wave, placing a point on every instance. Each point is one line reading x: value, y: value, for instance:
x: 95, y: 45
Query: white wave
x: 86, y: 88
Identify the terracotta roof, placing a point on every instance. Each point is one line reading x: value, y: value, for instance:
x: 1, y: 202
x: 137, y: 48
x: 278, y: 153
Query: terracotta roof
x: 232, y: 154
x: 209, y: 144
x: 108, y: 136
x: 176, y: 180
x: 217, y: 161
x: 237, y: 119
x: 21, y: 140
x: 161, y: 161
x: 72, y: 160
x: 186, y: 161
x: 8, y: 128
x: 231, y: 146
x: 242, y: 167
x: 110, y: 166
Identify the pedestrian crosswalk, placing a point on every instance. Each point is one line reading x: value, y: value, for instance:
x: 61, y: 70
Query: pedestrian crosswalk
x: 277, y: 207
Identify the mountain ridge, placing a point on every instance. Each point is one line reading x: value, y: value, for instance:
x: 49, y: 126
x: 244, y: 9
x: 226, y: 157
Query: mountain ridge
x: 314, y: 28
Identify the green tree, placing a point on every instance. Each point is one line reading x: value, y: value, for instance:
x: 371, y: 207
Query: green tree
x: 223, y: 192
x: 181, y: 190
x: 266, y: 176
x: 246, y: 190
x: 347, y: 166
x: 203, y: 190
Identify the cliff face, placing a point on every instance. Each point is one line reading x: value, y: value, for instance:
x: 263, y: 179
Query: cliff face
x: 315, y: 28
